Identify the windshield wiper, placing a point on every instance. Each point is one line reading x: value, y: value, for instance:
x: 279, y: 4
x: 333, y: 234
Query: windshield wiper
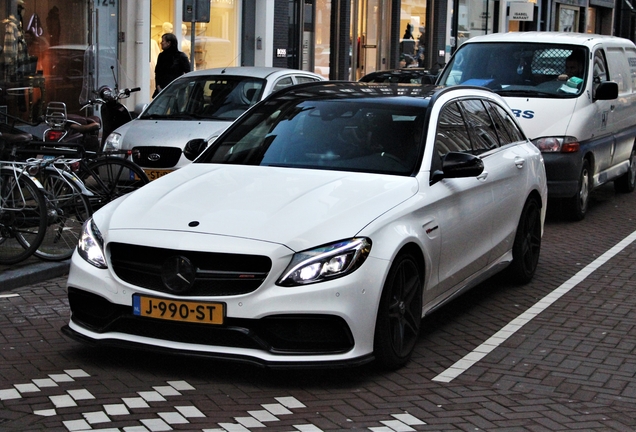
x: 155, y: 116
x: 523, y: 92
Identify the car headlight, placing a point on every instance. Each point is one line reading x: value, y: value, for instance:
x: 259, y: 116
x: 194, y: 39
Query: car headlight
x: 91, y: 245
x: 566, y: 144
x: 326, y: 262
x: 113, y: 142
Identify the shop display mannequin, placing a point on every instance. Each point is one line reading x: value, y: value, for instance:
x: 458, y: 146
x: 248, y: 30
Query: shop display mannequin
x: 14, y: 50
x: 185, y: 42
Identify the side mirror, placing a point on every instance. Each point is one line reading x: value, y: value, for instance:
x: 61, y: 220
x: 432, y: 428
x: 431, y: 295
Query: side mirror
x: 607, y: 90
x: 194, y: 148
x: 458, y: 165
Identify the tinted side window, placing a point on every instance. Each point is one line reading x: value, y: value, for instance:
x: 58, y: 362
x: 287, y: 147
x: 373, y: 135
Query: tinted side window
x: 599, y: 68
x: 304, y: 79
x: 505, y: 126
x: 282, y: 83
x: 510, y: 131
x: 452, y: 135
x: 482, y: 130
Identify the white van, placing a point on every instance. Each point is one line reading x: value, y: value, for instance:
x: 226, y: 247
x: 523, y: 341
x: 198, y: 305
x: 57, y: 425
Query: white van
x: 575, y: 97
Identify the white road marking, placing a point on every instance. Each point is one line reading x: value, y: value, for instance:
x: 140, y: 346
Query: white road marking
x: 9, y: 295
x: 511, y: 328
x: 164, y: 419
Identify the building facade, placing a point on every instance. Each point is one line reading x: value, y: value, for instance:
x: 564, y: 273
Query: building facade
x: 63, y: 50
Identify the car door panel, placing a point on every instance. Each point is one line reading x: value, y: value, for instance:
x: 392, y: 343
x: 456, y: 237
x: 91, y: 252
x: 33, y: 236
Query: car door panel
x: 462, y: 207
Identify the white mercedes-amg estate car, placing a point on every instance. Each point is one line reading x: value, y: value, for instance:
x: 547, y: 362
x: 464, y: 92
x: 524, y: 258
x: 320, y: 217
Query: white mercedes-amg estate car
x: 318, y: 229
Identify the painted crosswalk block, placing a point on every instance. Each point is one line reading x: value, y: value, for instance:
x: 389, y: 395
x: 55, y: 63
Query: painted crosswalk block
x: 165, y: 420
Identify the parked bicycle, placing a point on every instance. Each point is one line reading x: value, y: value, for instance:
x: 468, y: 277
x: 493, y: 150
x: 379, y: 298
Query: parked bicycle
x: 73, y: 183
x: 23, y: 208
x: 67, y: 201
x: 107, y: 175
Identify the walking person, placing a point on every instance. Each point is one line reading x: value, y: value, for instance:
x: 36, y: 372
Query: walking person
x: 171, y: 63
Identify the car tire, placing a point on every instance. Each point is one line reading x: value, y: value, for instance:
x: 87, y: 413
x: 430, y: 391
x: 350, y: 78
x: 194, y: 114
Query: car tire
x: 627, y: 182
x: 399, y: 314
x: 576, y: 207
x: 527, y: 245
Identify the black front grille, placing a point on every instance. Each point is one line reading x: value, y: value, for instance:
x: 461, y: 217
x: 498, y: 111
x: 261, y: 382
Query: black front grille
x: 217, y: 274
x: 280, y: 334
x: 156, y: 157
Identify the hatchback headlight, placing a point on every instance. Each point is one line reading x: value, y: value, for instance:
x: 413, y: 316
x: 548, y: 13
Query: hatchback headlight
x: 91, y: 245
x: 326, y: 262
x: 113, y: 142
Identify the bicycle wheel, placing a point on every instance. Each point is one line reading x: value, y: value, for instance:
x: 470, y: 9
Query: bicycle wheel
x: 111, y: 177
x: 67, y: 210
x: 22, y: 216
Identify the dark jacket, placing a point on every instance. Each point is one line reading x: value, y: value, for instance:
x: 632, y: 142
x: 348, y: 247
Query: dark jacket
x: 171, y: 64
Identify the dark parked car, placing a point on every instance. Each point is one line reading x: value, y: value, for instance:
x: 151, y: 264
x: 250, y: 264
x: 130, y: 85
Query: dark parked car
x: 404, y: 75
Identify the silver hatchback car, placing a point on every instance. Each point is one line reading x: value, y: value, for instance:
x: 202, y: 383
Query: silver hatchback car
x: 198, y: 105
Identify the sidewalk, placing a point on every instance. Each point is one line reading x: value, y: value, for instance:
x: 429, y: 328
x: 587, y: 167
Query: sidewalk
x: 30, y: 271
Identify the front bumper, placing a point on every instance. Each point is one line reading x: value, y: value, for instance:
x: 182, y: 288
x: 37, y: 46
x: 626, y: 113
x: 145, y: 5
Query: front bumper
x: 325, y: 323
x: 563, y: 171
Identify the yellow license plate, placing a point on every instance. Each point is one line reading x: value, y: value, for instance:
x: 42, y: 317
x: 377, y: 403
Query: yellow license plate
x: 175, y: 310
x: 155, y: 174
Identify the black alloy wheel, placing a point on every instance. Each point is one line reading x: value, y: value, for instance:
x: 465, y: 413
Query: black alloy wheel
x: 527, y: 245
x: 399, y: 316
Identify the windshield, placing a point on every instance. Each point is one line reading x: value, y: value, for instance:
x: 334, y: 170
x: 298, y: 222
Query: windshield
x: 524, y: 69
x: 347, y: 135
x: 206, y: 97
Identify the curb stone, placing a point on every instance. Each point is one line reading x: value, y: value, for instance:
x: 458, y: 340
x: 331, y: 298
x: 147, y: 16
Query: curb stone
x: 32, y: 273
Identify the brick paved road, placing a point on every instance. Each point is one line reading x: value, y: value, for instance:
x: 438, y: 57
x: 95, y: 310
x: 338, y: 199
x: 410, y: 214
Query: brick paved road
x: 570, y: 368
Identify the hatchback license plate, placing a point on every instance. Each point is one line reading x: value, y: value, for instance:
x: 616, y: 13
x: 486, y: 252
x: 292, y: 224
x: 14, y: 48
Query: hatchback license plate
x: 155, y: 174
x: 175, y: 310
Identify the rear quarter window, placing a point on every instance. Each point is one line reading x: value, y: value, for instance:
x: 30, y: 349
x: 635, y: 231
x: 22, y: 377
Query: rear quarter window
x: 622, y: 68
x: 507, y: 129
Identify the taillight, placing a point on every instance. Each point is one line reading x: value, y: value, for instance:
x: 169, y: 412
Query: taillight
x: 54, y: 135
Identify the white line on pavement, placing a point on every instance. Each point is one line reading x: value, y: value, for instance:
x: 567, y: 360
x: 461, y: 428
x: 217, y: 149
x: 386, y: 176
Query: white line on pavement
x: 502, y: 335
x: 9, y: 295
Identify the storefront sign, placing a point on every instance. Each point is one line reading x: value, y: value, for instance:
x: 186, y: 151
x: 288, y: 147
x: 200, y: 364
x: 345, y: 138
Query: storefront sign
x: 521, y: 11
x: 196, y: 11
x: 602, y: 3
x: 281, y: 52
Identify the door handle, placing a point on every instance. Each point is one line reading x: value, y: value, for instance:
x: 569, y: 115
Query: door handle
x: 482, y: 176
x: 519, y: 162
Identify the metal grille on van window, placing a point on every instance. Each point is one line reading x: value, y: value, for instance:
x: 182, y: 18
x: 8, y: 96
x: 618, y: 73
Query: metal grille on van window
x: 550, y: 61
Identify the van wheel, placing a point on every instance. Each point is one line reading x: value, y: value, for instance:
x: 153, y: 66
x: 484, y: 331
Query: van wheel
x: 627, y: 182
x: 576, y: 207
x: 399, y: 315
x: 527, y: 245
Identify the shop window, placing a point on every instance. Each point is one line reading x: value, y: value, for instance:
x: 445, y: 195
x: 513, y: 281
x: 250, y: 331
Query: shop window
x: 42, y: 57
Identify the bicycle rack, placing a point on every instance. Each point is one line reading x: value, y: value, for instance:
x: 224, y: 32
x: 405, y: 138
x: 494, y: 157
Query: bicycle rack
x: 55, y: 115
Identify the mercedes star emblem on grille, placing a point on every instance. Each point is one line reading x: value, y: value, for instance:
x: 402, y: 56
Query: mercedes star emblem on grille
x: 178, y: 274
x: 154, y: 157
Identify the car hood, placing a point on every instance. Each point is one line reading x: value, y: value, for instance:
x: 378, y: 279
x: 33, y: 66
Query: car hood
x: 168, y: 133
x: 299, y: 208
